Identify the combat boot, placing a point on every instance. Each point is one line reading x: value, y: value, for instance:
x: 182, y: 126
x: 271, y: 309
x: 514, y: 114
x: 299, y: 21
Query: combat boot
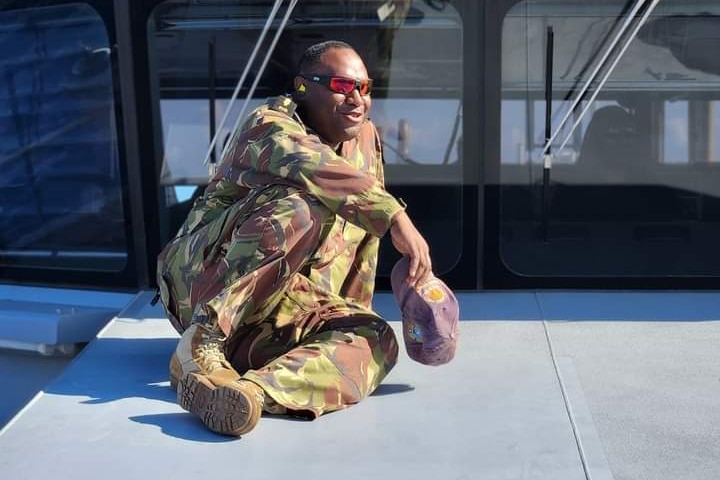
x: 224, y: 406
x: 200, y: 350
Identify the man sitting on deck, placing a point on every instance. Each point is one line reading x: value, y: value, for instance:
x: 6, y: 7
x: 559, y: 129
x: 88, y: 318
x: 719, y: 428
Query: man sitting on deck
x: 270, y: 279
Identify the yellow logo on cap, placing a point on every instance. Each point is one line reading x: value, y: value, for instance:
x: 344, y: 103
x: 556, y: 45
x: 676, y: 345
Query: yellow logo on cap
x: 435, y: 295
x: 431, y: 291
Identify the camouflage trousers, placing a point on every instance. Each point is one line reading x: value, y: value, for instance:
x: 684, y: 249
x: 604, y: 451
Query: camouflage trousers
x: 311, y: 350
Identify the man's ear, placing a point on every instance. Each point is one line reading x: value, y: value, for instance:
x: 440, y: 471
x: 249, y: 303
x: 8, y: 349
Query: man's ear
x: 299, y: 85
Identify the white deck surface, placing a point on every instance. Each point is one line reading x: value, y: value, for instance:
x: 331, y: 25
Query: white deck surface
x: 635, y: 395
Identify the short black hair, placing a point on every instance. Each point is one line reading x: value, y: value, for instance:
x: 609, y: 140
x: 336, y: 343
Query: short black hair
x: 311, y: 56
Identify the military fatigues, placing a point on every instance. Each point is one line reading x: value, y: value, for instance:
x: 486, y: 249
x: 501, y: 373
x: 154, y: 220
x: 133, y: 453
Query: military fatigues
x: 281, y: 253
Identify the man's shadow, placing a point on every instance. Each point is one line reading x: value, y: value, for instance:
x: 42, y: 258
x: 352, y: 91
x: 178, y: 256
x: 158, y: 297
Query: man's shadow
x: 392, y: 389
x: 112, y: 369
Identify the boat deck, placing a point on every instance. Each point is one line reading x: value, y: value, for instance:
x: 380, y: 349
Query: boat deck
x: 546, y: 385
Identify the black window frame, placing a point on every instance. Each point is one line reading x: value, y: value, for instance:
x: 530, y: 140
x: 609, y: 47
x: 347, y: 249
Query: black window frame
x: 127, y: 278
x: 496, y: 275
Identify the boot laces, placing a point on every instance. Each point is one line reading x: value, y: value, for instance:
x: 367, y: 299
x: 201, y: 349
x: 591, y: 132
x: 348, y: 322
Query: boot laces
x: 210, y: 354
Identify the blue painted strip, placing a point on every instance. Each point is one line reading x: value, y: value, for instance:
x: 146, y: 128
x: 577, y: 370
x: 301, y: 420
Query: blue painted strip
x: 66, y: 296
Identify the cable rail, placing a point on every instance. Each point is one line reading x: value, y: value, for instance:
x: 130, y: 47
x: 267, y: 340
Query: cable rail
x: 256, y: 80
x: 268, y: 23
x: 610, y: 70
x: 547, y: 156
x: 639, y: 4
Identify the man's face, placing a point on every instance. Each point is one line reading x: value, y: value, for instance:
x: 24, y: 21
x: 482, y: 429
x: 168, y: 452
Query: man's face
x: 334, y: 116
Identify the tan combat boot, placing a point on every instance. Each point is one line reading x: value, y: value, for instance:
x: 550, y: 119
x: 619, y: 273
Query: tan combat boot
x: 176, y: 373
x: 209, y: 387
x: 200, y: 350
x: 226, y: 407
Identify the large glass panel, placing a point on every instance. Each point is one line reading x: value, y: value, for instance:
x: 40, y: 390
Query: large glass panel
x: 60, y: 188
x: 636, y: 190
x: 413, y: 50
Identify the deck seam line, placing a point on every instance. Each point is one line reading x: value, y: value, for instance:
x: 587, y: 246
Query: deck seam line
x: 563, y: 391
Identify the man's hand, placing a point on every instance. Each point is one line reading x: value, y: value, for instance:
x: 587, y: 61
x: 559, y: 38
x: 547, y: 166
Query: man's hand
x: 408, y: 241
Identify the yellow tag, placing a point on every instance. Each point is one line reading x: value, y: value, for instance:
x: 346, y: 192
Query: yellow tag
x: 435, y: 295
x: 432, y: 291
x: 284, y: 105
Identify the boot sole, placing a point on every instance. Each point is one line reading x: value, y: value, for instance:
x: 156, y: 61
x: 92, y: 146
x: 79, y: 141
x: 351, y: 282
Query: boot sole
x: 223, y: 409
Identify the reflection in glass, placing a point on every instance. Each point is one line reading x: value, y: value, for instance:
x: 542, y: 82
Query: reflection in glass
x: 636, y: 184
x: 60, y: 188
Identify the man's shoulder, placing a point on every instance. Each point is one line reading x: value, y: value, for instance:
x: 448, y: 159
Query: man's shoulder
x: 282, y: 104
x: 278, y: 108
x: 277, y: 113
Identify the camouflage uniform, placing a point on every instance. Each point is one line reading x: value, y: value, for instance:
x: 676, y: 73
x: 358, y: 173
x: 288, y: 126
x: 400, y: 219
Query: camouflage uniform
x: 281, y: 253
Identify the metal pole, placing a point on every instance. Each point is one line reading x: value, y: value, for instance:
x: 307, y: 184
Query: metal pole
x: 245, y: 72
x: 591, y: 78
x: 599, y: 88
x: 240, y: 116
x: 211, y: 93
x: 547, y: 159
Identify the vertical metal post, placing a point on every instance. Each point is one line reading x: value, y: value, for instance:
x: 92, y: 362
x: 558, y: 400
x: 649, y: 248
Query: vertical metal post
x: 547, y: 157
x: 211, y: 95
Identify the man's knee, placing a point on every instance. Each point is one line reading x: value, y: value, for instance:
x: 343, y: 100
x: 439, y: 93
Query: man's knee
x: 380, y: 336
x: 306, y: 210
x: 298, y: 221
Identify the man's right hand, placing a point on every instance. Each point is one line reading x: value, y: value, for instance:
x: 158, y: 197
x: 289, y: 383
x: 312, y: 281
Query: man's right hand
x: 407, y: 240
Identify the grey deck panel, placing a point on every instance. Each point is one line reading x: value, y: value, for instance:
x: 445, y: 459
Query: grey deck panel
x: 639, y: 369
x: 654, y: 392
x: 495, y: 412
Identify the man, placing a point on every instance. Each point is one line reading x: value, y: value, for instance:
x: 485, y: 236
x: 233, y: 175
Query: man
x: 270, y: 278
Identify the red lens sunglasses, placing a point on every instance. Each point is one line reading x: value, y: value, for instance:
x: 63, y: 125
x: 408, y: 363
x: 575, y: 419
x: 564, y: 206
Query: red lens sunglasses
x: 342, y: 85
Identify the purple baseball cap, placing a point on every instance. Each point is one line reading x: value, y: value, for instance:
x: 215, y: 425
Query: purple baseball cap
x: 430, y: 317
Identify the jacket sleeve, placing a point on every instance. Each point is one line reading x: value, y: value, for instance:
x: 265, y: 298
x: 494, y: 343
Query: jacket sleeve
x: 218, y: 196
x: 276, y: 147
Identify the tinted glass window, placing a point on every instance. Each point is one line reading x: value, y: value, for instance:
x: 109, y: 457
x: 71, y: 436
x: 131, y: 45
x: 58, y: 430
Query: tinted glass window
x: 413, y: 50
x: 60, y: 188
x: 638, y: 181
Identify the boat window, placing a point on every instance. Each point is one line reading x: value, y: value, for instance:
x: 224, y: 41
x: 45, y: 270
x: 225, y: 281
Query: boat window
x: 60, y: 189
x: 638, y: 181
x: 413, y: 50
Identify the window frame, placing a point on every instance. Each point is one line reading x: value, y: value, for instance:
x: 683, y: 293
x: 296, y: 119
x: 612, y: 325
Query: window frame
x: 496, y: 274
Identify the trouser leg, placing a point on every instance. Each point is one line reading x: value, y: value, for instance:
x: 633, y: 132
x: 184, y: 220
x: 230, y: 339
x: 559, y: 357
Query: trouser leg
x: 247, y: 259
x: 330, y: 370
x: 255, y: 261
x: 329, y: 356
x: 304, y: 361
x: 235, y: 269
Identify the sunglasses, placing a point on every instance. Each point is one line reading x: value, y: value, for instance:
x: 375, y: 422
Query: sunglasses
x: 342, y: 85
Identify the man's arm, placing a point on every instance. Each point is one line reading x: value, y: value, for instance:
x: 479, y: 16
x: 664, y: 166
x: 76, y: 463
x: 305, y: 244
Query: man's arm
x: 280, y: 149
x: 408, y: 241
x: 276, y: 147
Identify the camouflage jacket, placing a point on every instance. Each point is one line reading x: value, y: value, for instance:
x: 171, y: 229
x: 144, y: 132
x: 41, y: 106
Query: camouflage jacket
x: 275, y: 147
